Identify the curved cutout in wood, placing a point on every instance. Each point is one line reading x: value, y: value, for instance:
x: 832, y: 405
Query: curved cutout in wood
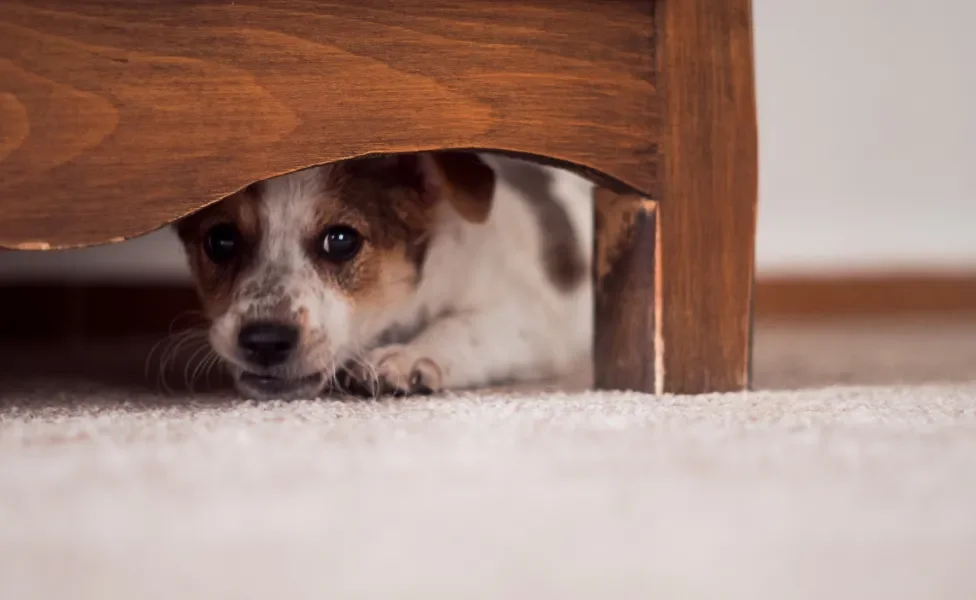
x: 120, y: 116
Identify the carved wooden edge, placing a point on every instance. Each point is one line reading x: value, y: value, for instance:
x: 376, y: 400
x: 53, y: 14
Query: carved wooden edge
x: 594, y: 174
x: 92, y: 159
x: 628, y: 342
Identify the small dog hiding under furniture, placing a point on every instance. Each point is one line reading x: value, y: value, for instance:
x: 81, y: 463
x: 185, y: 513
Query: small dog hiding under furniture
x: 401, y: 274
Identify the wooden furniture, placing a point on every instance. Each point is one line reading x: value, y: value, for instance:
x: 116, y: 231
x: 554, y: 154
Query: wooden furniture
x: 120, y: 116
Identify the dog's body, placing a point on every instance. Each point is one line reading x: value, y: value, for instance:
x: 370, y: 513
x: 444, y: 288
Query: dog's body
x: 465, y: 270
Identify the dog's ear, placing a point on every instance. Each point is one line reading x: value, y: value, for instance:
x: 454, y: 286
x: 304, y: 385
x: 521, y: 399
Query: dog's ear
x: 460, y: 178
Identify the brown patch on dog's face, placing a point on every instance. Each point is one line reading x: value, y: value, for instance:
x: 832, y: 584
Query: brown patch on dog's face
x: 215, y: 283
x: 393, y: 200
x: 383, y: 199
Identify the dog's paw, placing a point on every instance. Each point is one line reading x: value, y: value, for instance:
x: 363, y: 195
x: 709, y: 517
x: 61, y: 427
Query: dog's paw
x: 396, y: 370
x: 402, y: 371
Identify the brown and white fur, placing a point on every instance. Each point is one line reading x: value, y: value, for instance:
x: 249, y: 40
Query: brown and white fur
x: 473, y: 270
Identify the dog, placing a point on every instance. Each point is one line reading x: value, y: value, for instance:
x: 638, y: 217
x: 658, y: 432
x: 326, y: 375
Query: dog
x: 397, y: 274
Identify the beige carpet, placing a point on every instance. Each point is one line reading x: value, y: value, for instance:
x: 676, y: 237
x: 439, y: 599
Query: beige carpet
x: 851, y: 474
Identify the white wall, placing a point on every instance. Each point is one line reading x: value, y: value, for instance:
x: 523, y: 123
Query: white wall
x: 867, y: 113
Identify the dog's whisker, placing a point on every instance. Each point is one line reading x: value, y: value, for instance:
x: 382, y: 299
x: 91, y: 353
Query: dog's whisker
x: 163, y: 344
x: 202, y: 352
x: 333, y: 381
x: 203, y: 368
x: 374, y: 380
x: 177, y: 341
x: 149, y: 356
x: 214, y: 360
x: 170, y: 354
x: 369, y: 372
x: 335, y: 384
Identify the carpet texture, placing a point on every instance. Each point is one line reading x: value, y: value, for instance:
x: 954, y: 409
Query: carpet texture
x: 850, y: 473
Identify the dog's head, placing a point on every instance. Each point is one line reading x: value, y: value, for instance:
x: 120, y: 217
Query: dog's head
x: 301, y: 272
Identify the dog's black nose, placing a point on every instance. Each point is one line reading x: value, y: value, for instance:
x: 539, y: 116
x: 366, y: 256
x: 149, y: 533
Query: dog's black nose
x: 267, y: 343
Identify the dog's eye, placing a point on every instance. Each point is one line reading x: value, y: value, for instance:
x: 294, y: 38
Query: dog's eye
x: 222, y: 243
x: 339, y: 243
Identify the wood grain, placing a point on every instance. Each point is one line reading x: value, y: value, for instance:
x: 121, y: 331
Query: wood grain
x: 118, y: 116
x: 627, y: 349
x: 708, y: 192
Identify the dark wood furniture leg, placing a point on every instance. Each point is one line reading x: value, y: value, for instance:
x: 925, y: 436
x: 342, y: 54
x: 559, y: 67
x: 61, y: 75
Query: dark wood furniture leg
x: 687, y: 329
x: 626, y: 293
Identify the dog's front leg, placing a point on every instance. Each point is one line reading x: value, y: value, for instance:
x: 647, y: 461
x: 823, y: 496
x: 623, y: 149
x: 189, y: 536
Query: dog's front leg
x: 459, y: 350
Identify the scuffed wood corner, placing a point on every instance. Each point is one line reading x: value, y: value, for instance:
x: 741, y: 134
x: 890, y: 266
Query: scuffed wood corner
x: 33, y: 245
x: 614, y: 218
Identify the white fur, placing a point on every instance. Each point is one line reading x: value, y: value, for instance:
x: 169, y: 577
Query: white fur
x: 503, y: 320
